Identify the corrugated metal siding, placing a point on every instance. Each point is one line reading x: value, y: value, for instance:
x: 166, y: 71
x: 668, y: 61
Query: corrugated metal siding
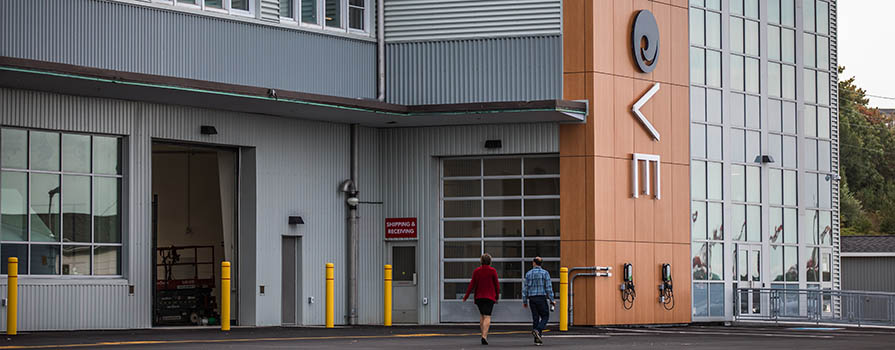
x: 410, y: 182
x: 270, y: 10
x: 477, y: 70
x: 409, y: 20
x: 834, y: 134
x: 871, y: 274
x: 127, y: 37
x: 58, y: 306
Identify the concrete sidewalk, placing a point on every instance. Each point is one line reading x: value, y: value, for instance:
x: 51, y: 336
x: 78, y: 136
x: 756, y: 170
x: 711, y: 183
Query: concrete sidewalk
x: 462, y: 337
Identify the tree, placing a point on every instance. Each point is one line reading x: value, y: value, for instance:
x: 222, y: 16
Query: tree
x: 867, y: 154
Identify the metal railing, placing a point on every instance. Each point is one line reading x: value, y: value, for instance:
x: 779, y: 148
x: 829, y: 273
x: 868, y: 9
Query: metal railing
x: 815, y: 306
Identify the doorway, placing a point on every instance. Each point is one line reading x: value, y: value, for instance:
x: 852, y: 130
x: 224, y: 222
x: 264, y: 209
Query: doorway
x: 291, y: 294
x: 194, y: 229
x: 405, y: 295
x: 749, y: 276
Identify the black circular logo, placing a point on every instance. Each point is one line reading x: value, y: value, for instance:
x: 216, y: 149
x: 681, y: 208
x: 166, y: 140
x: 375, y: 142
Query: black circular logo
x: 645, y: 41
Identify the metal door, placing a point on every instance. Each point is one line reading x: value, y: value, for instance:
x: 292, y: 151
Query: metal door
x: 751, y: 302
x: 405, y: 296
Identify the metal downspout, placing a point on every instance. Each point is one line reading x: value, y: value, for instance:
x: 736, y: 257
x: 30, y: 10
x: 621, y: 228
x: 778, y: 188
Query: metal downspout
x: 352, y: 233
x: 380, y: 48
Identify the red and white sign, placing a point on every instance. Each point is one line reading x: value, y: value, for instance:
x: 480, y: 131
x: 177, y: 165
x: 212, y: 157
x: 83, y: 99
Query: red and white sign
x: 400, y: 228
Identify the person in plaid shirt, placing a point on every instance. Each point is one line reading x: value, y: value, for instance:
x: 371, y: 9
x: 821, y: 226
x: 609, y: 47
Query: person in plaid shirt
x: 537, y: 289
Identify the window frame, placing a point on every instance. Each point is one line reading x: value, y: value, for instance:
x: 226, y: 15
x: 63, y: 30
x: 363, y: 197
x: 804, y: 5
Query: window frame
x: 61, y: 174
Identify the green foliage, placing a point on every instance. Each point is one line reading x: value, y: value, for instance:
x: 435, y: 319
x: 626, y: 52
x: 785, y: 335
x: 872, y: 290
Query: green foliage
x: 867, y: 153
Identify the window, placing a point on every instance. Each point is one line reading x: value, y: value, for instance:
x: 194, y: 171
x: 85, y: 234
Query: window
x: 60, y: 203
x: 507, y: 207
x: 356, y: 18
x: 232, y: 7
x: 334, y: 13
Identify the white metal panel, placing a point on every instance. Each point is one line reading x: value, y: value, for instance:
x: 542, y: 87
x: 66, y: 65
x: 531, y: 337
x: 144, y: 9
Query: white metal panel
x: 414, y: 20
x: 270, y: 10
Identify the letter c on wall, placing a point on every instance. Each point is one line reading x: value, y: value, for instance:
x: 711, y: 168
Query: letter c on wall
x: 645, y: 41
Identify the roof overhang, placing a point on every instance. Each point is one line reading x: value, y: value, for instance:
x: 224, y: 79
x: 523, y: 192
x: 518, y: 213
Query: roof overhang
x: 94, y: 82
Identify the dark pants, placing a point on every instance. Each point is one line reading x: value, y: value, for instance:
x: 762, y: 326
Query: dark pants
x: 540, y: 312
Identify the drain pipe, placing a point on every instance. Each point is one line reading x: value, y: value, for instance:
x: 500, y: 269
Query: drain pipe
x: 380, y: 48
x: 349, y: 187
x: 571, y: 295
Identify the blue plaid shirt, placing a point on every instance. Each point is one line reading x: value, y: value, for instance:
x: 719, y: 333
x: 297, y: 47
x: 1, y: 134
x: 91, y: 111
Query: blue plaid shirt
x: 537, y: 282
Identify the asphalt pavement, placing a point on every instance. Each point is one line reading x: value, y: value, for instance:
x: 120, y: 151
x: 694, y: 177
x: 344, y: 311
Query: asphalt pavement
x: 464, y: 337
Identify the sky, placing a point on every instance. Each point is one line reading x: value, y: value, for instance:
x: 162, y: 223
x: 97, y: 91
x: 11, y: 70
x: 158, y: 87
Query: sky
x: 867, y: 47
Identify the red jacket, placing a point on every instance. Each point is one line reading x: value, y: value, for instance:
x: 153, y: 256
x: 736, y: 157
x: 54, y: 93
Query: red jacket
x: 484, y: 283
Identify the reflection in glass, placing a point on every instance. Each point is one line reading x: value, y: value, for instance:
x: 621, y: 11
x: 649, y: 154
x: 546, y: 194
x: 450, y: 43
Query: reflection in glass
x: 509, y: 207
x: 106, y: 210
x: 44, y: 150
x: 45, y: 259
x: 753, y: 184
x: 697, y: 103
x: 826, y: 268
x: 812, y: 268
x: 825, y: 228
x: 791, y: 262
x: 715, y: 221
x: 697, y: 180
x: 14, y: 148
x: 76, y: 153
x: 738, y: 182
x: 542, y: 207
x: 462, y: 229
x: 777, y: 263
x: 541, y: 166
x: 544, y: 249
x: 107, y: 260
x: 503, y: 187
x: 697, y: 62
x: 13, y: 208
x: 541, y: 187
x: 776, y: 222
x: 700, y: 300
x: 462, y: 167
x: 716, y: 299
x: 309, y: 11
x: 790, y: 188
x: 19, y: 251
x: 753, y: 223
x: 462, y: 188
x: 790, y: 226
x: 457, y: 209
x: 542, y: 228
x: 44, y: 209
x: 76, y: 208
x: 107, y: 155
x: 811, y: 190
x: 502, y: 166
x: 698, y: 220
x: 333, y: 11
x: 700, y: 261
x: 714, y: 181
x: 462, y: 249
x: 76, y: 260
x: 503, y: 228
x: 738, y: 221
x: 504, y: 249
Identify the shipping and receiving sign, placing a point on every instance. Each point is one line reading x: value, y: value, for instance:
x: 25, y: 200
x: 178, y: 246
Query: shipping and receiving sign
x: 400, y: 228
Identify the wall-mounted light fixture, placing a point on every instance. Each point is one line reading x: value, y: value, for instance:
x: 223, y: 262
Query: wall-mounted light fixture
x: 493, y: 144
x: 208, y: 130
x: 764, y: 159
x: 296, y: 220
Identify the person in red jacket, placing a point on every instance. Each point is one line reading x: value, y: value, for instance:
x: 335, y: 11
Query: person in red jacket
x: 487, y: 291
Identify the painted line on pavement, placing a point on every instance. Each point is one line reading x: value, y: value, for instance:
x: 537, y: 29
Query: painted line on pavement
x: 769, y: 335
x: 246, y: 340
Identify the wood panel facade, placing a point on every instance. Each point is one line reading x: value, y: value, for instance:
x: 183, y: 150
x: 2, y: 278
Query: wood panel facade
x: 602, y: 224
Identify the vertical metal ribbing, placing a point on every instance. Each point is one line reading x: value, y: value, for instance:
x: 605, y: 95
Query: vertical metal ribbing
x: 834, y: 157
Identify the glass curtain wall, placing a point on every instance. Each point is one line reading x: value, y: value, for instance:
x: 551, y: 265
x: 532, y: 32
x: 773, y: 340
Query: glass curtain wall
x: 762, y: 143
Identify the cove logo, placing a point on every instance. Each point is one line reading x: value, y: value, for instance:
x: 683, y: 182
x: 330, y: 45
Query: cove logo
x: 645, y: 41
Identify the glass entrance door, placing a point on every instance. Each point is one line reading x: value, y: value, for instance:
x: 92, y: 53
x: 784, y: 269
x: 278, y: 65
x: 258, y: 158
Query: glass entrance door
x: 749, y: 276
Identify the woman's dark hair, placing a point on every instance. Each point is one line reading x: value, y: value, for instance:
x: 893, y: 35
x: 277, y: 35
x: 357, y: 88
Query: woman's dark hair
x: 486, y: 259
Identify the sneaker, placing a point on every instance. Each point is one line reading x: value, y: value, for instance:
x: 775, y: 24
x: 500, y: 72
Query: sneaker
x: 537, y: 336
x: 484, y: 341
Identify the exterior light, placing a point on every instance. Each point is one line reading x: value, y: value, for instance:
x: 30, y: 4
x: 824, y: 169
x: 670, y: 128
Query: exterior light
x: 208, y: 130
x: 352, y: 201
x: 296, y: 220
x: 493, y: 144
x: 764, y: 159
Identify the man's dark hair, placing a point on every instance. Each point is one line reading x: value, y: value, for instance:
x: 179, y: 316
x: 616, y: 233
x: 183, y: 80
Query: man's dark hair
x: 486, y: 259
x: 537, y: 260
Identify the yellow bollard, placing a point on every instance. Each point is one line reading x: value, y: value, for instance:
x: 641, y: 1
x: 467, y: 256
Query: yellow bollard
x: 388, y: 296
x: 564, y: 299
x: 12, y: 296
x: 330, y: 286
x: 225, y: 296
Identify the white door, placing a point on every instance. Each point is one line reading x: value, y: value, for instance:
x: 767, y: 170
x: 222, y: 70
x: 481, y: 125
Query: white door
x: 751, y: 302
x: 405, y: 296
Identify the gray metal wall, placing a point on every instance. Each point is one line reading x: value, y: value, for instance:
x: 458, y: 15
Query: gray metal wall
x: 298, y: 167
x: 868, y: 273
x: 414, y: 20
x: 134, y: 38
x: 474, y: 70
